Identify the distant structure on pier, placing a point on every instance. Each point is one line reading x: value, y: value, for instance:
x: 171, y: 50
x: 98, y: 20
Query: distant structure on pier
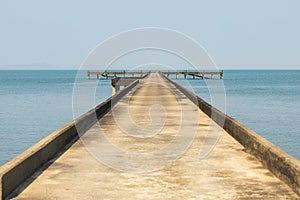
x: 183, y: 73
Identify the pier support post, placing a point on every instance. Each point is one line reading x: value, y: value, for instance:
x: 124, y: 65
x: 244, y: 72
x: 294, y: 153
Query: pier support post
x: 115, y: 88
x: 88, y: 75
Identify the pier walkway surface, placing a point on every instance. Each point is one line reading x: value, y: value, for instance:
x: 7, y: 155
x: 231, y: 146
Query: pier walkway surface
x: 228, y: 172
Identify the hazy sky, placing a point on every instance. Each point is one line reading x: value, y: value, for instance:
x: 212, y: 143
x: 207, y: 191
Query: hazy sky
x: 237, y: 34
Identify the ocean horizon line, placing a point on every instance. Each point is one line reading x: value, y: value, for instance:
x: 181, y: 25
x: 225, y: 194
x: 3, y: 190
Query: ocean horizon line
x: 120, y: 69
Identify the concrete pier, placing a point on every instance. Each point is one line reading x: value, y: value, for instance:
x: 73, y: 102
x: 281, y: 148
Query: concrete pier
x: 228, y: 172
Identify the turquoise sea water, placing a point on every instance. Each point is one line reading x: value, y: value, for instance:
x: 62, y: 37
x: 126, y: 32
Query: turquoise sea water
x: 266, y: 101
x: 35, y: 103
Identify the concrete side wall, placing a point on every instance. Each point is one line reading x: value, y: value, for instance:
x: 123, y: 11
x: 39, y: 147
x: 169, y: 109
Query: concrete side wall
x: 23, y: 166
x: 281, y: 164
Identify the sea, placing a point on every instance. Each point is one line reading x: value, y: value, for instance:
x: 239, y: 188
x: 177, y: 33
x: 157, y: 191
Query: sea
x: 34, y: 103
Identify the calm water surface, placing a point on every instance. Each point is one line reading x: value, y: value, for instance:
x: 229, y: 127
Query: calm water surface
x: 267, y: 101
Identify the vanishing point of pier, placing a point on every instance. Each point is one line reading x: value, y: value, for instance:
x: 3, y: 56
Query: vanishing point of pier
x: 241, y: 166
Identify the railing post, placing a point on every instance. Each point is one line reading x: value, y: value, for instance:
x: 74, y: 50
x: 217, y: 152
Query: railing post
x: 88, y: 75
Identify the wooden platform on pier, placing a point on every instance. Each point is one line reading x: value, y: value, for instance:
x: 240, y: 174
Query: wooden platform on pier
x: 184, y: 74
x: 227, y: 173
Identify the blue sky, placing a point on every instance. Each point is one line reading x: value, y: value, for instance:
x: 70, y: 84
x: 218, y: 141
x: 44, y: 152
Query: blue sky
x: 249, y: 34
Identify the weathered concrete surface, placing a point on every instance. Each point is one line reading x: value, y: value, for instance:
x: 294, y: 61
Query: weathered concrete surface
x: 227, y: 173
x: 281, y: 164
x: 15, y: 172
